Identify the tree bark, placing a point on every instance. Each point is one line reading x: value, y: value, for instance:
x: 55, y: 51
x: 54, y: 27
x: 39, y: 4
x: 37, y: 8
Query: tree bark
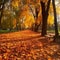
x: 55, y: 19
x: 45, y: 12
x: 36, y: 25
x: 1, y: 13
x: 44, y: 21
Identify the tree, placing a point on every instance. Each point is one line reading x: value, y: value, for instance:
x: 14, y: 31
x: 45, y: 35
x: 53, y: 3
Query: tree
x: 35, y: 11
x: 16, y: 5
x: 55, y: 19
x: 2, y: 6
x: 45, y: 11
x: 1, y: 10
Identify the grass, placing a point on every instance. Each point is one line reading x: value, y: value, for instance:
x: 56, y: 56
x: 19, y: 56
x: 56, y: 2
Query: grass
x: 6, y: 31
x: 50, y: 31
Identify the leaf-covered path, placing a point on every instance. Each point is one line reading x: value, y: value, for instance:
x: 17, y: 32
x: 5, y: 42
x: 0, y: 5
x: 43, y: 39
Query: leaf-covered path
x: 27, y: 45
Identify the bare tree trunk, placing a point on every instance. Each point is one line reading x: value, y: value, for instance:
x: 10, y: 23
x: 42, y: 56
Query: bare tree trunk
x: 36, y: 25
x: 44, y: 21
x: 55, y: 19
x: 45, y: 12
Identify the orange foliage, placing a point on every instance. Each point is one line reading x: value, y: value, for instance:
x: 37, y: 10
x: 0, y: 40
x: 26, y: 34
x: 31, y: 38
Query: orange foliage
x: 50, y: 20
x: 14, y: 23
x: 27, y: 45
x: 58, y: 10
x: 15, y: 3
x: 29, y: 19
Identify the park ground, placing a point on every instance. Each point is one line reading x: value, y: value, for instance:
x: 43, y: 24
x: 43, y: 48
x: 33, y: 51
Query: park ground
x: 28, y: 45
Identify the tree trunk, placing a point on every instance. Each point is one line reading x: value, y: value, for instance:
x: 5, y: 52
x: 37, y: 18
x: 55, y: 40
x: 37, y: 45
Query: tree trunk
x: 35, y: 17
x: 44, y: 21
x: 36, y: 25
x: 17, y: 24
x: 45, y: 12
x: 1, y: 13
x: 55, y: 19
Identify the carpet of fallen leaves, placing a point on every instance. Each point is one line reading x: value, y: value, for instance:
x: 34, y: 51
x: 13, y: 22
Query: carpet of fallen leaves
x: 28, y: 45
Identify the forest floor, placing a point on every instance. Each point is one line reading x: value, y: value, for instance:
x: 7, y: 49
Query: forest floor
x: 28, y: 45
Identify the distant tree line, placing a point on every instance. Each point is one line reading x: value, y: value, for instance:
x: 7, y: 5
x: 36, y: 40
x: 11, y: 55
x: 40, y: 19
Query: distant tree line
x: 10, y: 11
